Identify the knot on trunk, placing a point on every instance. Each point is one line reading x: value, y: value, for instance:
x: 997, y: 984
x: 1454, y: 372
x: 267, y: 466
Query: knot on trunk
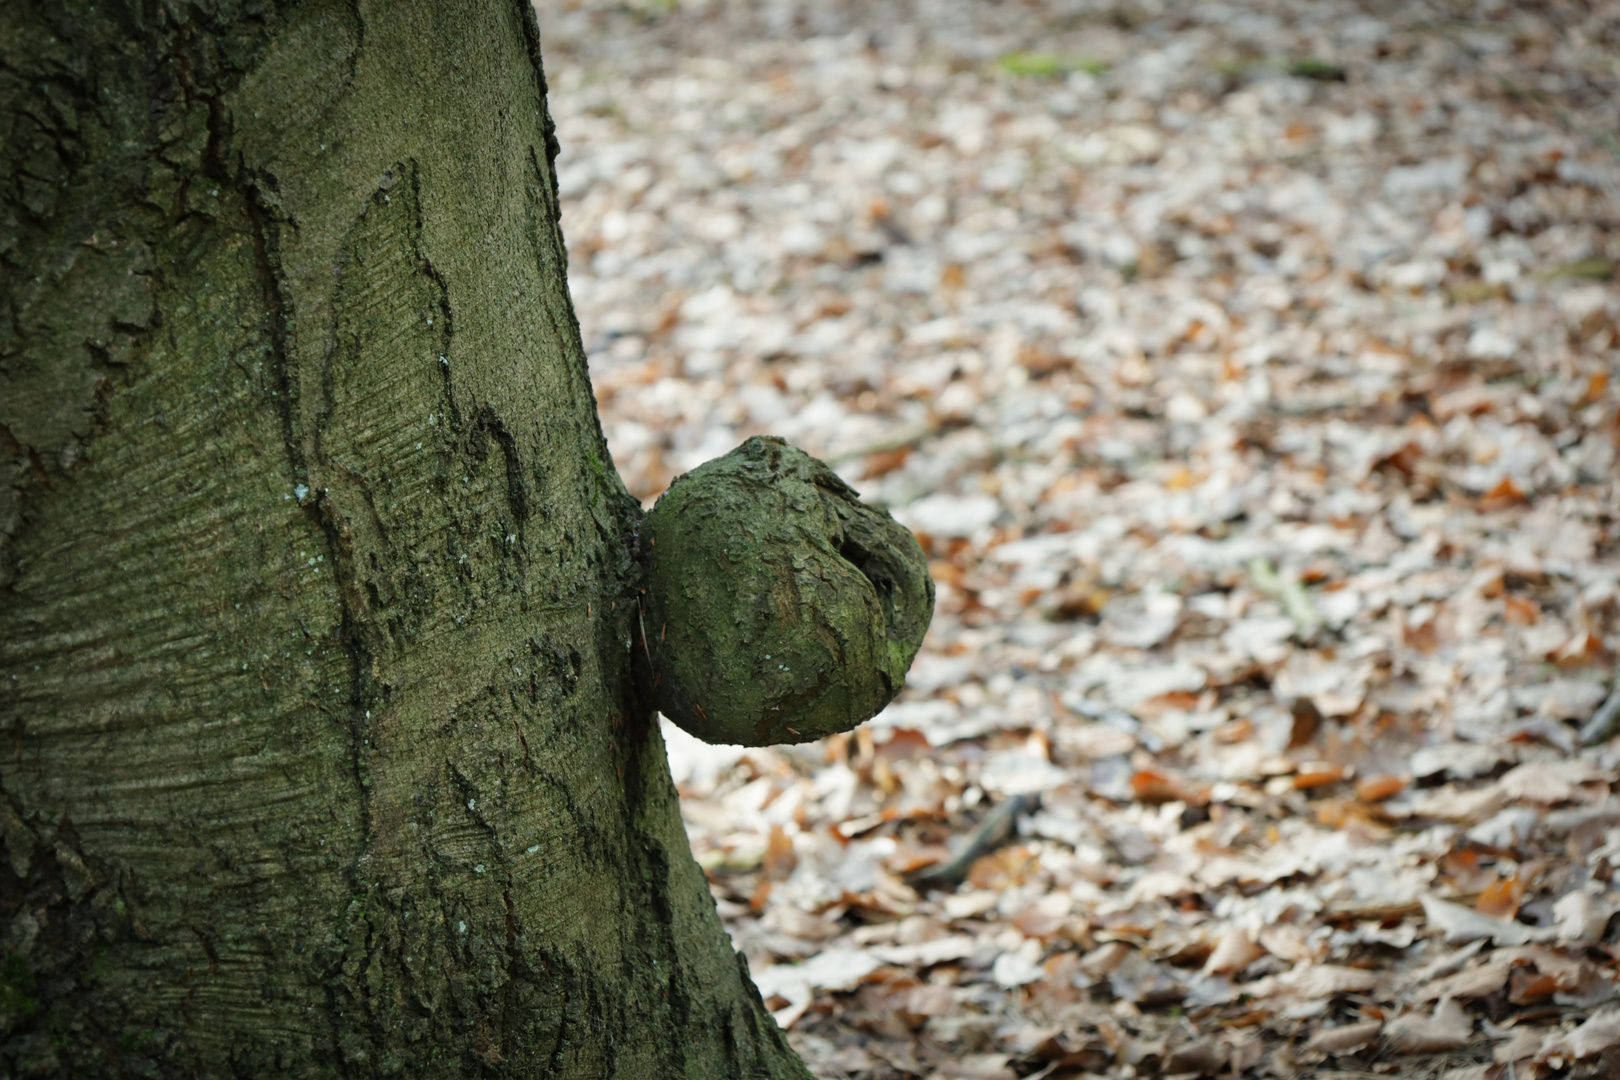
x: 780, y: 608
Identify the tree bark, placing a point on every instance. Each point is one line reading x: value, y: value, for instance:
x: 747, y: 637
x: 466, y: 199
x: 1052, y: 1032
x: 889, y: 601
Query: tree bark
x: 319, y: 753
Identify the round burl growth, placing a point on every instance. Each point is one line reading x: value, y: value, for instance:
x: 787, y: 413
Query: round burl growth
x: 779, y: 607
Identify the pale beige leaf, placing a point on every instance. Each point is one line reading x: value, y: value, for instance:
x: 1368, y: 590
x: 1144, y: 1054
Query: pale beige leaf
x: 1476, y: 982
x: 1582, y: 917
x: 1448, y: 1028
x: 1234, y: 951
x: 1600, y: 1031
x: 1346, y: 1038
x: 1459, y: 924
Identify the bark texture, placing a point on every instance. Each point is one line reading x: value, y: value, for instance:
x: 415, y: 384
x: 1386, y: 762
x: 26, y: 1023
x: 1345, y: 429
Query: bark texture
x: 318, y: 753
x: 780, y: 608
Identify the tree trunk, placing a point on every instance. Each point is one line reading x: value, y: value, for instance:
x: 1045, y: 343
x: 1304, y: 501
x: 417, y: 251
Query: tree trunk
x: 318, y: 746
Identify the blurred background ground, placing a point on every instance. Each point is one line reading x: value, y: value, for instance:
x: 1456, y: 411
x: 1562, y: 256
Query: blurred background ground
x: 1248, y: 373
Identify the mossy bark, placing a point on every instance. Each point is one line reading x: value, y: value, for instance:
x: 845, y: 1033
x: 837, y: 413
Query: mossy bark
x: 318, y: 750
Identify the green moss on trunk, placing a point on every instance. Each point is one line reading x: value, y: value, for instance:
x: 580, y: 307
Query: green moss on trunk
x: 780, y: 608
x: 317, y: 749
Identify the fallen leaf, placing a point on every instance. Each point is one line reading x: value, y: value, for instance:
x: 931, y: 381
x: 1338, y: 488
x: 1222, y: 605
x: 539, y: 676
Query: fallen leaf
x: 1531, y: 986
x: 1600, y: 1031
x: 976, y: 1067
x: 1547, y: 782
x: 1378, y: 788
x: 1139, y: 980
x: 924, y: 954
x: 1234, y: 950
x: 1309, y: 981
x: 1479, y: 981
x: 1201, y: 1057
x: 1101, y: 961
x: 1500, y: 900
x: 1582, y: 917
x: 1462, y: 805
x: 1288, y: 942
x: 1158, y: 786
x: 1345, y: 1039
x: 1504, y: 495
x: 1315, y: 774
x: 1526, y: 1042
x: 1458, y: 924
x: 1447, y: 1029
x: 780, y: 858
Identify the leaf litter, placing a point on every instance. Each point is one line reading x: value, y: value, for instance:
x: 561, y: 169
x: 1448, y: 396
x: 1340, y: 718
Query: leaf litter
x: 1248, y: 373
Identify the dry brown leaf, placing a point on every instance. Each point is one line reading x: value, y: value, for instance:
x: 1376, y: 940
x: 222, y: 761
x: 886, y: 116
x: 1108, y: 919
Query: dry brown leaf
x: 1381, y: 787
x: 1520, y: 610
x: 1344, y: 1039
x: 1476, y: 982
x: 1101, y: 961
x: 1504, y: 495
x: 1547, y: 782
x: 1159, y: 786
x: 1500, y: 900
x: 1466, y: 806
x: 1459, y: 924
x: 1137, y: 979
x: 1288, y: 942
x: 1448, y: 1028
x: 1531, y: 986
x: 1465, y: 873
x: 1600, y: 1031
x: 1201, y: 1057
x: 928, y: 999
x: 1234, y: 951
x: 976, y: 1067
x: 780, y: 858
x: 1567, y: 971
x: 1315, y: 774
x: 1582, y: 917
x: 1526, y: 1042
x: 1309, y: 981
x: 1002, y: 869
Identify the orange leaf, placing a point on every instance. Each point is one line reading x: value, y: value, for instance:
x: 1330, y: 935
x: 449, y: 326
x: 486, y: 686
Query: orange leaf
x: 1379, y: 788
x: 1002, y: 869
x: 884, y: 462
x: 1315, y: 774
x: 1517, y: 609
x: 1500, y: 898
x: 1156, y: 786
x: 1504, y: 495
x: 1527, y: 986
x: 780, y: 858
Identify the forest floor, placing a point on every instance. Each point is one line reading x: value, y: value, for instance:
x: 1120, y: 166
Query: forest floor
x: 1251, y: 374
